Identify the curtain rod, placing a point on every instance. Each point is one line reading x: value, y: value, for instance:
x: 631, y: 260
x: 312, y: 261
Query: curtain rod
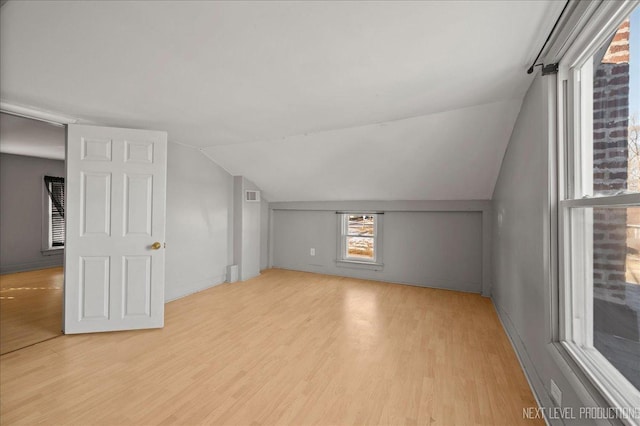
x: 551, y: 68
x: 358, y: 212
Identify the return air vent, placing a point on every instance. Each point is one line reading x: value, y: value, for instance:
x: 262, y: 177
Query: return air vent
x: 252, y: 196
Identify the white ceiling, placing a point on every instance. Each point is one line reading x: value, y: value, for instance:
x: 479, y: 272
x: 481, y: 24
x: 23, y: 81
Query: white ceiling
x: 237, y: 75
x: 22, y: 136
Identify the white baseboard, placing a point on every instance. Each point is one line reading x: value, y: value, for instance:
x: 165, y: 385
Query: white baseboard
x: 320, y: 269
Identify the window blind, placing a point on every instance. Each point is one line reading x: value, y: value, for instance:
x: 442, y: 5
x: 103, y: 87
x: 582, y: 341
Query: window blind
x: 55, y: 188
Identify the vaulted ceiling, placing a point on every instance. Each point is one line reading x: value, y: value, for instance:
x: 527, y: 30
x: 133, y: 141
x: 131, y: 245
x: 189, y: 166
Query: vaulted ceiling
x: 310, y: 100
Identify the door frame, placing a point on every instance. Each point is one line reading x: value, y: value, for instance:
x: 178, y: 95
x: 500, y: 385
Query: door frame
x: 55, y: 119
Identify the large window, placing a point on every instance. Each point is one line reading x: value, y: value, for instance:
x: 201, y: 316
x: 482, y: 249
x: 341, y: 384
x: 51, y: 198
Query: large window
x: 55, y: 211
x: 599, y: 207
x: 359, y: 235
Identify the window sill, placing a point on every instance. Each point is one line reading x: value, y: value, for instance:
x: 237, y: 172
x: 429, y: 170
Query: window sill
x: 52, y: 251
x: 609, y: 382
x: 359, y: 265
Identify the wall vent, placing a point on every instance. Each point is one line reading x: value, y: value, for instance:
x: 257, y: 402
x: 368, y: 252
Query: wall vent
x: 252, y: 196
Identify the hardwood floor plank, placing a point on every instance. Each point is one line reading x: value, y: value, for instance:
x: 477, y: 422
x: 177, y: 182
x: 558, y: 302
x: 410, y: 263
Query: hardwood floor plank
x: 283, y: 348
x: 30, y: 308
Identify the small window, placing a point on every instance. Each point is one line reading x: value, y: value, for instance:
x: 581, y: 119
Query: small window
x: 55, y: 189
x: 359, y: 237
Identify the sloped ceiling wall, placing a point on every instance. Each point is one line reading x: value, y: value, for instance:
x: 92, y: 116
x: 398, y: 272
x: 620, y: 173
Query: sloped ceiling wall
x: 453, y: 155
x: 222, y: 75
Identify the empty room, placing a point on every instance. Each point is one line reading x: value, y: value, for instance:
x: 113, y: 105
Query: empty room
x: 320, y: 212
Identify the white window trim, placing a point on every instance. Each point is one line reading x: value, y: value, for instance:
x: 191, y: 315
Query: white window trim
x: 47, y: 249
x: 576, y: 309
x: 341, y: 249
x: 344, y: 235
x: 612, y: 385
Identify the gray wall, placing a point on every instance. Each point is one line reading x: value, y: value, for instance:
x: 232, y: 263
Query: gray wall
x: 425, y: 248
x: 199, y: 199
x: 264, y: 234
x: 250, y: 235
x: 246, y: 230
x: 522, y: 287
x: 22, y: 210
x: 238, y: 186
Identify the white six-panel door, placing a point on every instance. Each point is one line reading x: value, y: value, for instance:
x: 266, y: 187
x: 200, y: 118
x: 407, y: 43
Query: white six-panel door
x: 115, y: 218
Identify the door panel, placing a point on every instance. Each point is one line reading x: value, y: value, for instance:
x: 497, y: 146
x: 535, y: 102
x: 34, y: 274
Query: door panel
x: 96, y: 204
x: 115, y: 211
x: 140, y: 152
x: 94, y: 286
x: 137, y: 285
x: 96, y: 150
x: 138, y: 207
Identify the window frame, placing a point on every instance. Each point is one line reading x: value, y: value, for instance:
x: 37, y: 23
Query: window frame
x: 47, y: 216
x: 342, y: 258
x: 575, y: 316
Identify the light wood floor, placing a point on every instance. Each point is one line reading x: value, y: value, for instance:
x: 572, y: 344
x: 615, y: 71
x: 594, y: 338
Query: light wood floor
x: 284, y: 348
x: 30, y: 308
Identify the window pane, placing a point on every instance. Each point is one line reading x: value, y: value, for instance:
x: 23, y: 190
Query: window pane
x: 360, y: 247
x: 616, y: 94
x: 616, y: 288
x: 361, y: 225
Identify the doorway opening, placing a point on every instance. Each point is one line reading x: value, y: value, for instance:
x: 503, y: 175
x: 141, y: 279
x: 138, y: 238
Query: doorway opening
x: 32, y: 231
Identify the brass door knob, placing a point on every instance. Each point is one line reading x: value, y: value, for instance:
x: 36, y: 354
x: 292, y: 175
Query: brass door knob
x: 156, y: 246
